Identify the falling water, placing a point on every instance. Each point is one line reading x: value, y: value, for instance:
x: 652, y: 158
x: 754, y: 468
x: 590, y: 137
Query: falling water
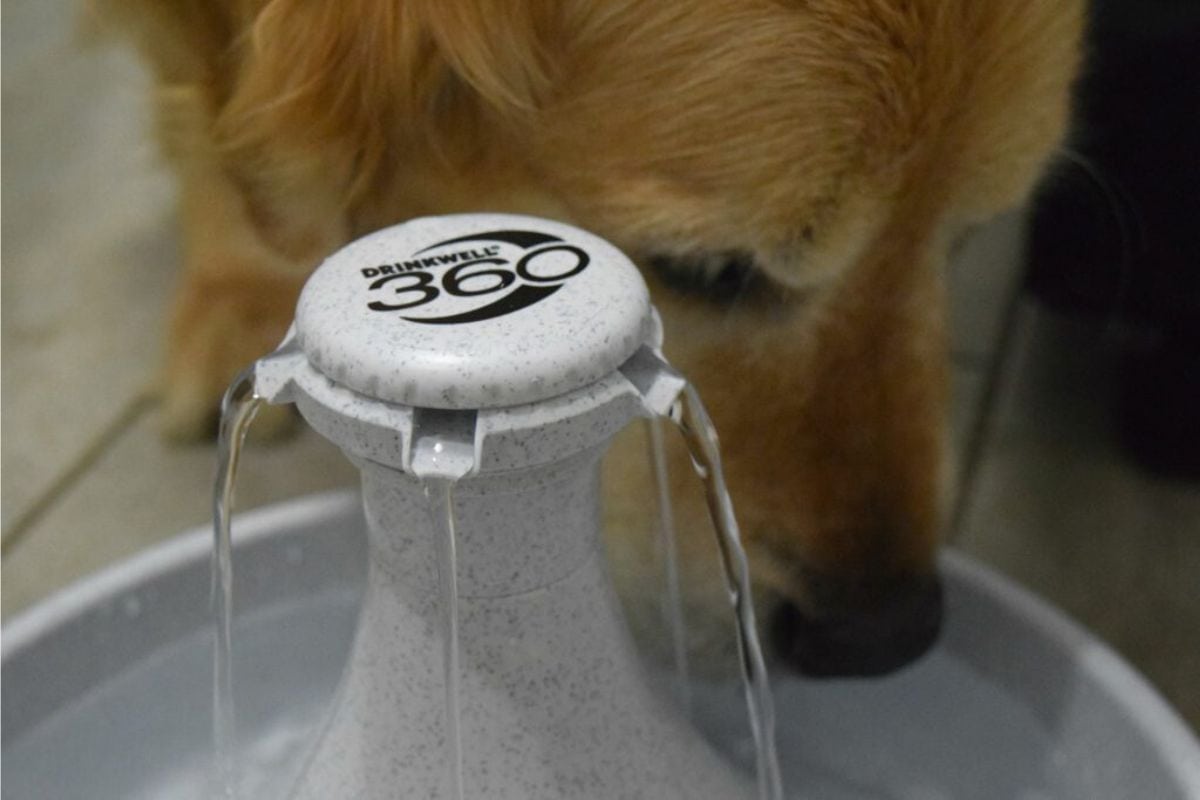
x: 439, y: 493
x: 668, y: 553
x: 444, y: 452
x: 693, y: 421
x: 238, y: 408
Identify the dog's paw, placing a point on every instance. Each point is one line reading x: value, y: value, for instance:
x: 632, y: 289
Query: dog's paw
x: 219, y: 328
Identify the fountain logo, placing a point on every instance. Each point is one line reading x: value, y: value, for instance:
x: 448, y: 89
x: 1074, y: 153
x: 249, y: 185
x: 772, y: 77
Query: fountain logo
x: 535, y: 264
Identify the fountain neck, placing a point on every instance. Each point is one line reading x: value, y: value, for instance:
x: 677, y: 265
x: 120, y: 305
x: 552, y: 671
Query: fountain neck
x: 550, y: 697
x: 516, y: 531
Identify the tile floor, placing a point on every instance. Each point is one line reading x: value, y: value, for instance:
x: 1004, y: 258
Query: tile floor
x: 88, y: 254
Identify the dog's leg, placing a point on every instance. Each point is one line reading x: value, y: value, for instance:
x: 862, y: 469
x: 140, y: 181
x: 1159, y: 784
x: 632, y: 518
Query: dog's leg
x: 244, y: 262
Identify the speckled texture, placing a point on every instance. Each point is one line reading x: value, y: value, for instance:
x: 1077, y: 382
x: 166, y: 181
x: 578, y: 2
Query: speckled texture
x: 553, y: 700
x: 552, y: 308
x: 554, y: 703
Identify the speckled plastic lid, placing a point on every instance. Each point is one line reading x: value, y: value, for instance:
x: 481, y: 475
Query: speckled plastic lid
x: 473, y: 311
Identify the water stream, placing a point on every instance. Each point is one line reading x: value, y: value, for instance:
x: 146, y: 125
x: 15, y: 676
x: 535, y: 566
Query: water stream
x: 693, y: 421
x: 238, y: 408
x: 439, y: 493
x: 444, y: 452
x: 668, y: 554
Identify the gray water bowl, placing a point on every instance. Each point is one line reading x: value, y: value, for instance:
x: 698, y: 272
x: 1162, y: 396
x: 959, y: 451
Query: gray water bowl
x: 107, y: 686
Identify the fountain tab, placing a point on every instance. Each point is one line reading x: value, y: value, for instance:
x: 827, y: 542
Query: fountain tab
x: 531, y: 324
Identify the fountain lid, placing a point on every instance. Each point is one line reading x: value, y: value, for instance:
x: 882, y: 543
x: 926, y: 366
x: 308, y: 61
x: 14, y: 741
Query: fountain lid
x: 473, y: 311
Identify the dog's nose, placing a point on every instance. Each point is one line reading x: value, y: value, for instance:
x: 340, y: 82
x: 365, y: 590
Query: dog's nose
x: 862, y: 639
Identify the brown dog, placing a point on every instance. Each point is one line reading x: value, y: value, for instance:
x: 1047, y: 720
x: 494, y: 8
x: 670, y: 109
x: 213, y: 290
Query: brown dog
x: 792, y: 171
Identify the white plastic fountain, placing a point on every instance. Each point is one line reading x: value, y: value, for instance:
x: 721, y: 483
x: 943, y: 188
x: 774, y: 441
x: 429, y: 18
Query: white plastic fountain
x: 410, y: 351
x: 480, y: 364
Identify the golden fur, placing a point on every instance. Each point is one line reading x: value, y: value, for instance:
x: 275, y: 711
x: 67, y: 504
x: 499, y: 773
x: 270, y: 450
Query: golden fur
x: 839, y: 143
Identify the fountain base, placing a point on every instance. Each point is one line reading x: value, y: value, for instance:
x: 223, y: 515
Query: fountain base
x: 107, y: 686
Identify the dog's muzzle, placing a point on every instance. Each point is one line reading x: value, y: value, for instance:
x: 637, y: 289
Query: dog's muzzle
x: 864, y: 639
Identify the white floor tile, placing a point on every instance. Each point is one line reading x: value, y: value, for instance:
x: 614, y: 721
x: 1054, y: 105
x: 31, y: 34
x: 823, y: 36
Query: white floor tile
x: 142, y: 491
x: 88, y: 249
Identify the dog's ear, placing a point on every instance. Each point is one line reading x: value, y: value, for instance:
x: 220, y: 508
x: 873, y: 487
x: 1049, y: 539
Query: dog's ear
x: 366, y: 56
x: 503, y: 50
x: 369, y: 74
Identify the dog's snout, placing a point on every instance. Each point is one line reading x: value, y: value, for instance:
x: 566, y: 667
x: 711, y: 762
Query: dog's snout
x: 897, y: 627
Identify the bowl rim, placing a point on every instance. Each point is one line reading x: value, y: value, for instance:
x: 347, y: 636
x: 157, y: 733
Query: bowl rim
x: 1145, y: 709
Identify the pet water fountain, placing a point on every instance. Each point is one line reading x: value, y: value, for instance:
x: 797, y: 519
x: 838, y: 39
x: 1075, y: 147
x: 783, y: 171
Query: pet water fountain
x: 451, y: 633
